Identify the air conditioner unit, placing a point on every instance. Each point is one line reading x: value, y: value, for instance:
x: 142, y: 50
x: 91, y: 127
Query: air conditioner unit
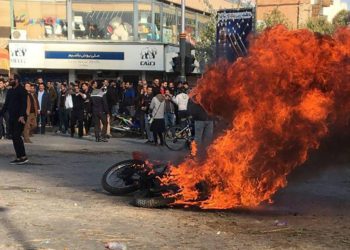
x: 19, y: 35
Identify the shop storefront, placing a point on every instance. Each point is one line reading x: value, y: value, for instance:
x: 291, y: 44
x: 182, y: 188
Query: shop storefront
x: 83, y: 61
x: 96, y: 39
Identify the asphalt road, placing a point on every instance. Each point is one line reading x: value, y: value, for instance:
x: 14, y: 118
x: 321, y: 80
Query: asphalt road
x: 56, y: 202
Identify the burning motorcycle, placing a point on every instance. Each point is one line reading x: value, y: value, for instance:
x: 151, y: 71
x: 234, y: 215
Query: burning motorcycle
x: 141, y: 177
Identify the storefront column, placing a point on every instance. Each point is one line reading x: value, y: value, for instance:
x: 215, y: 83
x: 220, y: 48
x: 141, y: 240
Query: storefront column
x: 136, y: 20
x: 143, y: 75
x: 69, y: 20
x: 71, y: 75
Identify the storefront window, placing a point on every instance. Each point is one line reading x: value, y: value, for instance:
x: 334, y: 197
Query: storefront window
x: 190, y: 25
x: 40, y: 19
x: 202, y: 23
x: 147, y: 28
x: 103, y: 20
x: 170, y: 30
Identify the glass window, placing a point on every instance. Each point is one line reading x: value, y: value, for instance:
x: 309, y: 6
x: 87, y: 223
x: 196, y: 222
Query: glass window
x: 170, y: 28
x: 202, y: 23
x: 190, y: 25
x: 103, y: 20
x: 40, y: 19
x: 147, y: 28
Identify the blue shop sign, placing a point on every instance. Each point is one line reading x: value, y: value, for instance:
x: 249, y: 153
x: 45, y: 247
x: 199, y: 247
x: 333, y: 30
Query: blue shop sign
x: 84, y: 55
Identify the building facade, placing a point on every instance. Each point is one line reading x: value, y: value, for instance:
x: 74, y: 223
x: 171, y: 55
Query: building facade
x: 85, y: 39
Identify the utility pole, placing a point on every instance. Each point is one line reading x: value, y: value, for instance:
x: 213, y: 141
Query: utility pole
x: 182, y: 77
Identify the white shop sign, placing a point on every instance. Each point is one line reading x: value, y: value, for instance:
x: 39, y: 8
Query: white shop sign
x: 87, y: 56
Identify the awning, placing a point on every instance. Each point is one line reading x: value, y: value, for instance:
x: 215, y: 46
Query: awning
x: 4, y: 60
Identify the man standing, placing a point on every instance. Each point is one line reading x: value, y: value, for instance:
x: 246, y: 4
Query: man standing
x: 32, y: 111
x: 3, y: 92
x: 78, y: 99
x: 62, y: 111
x: 87, y: 108
x: 53, y: 100
x: 16, y: 105
x: 44, y: 107
x: 145, y: 103
x: 203, y: 125
x: 99, y: 112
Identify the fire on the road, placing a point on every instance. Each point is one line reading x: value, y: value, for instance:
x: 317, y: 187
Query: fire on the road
x: 281, y: 100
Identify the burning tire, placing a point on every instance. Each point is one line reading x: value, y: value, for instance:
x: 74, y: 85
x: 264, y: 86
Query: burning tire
x: 152, y: 202
x: 122, y: 177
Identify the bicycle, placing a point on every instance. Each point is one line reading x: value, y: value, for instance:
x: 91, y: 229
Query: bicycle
x: 178, y: 137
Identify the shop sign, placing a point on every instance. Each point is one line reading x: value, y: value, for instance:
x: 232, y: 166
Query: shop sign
x: 87, y: 56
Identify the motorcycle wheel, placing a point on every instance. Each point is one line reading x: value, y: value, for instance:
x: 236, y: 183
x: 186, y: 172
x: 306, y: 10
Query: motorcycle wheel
x: 116, y: 180
x: 152, y: 202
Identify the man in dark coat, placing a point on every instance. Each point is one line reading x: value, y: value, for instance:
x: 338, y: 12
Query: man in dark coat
x: 44, y: 107
x: 99, y: 112
x: 16, y: 106
x: 78, y: 98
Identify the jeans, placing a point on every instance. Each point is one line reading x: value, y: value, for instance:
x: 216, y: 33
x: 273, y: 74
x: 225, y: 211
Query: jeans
x: 42, y: 118
x: 169, y: 119
x: 148, y: 128
x: 203, y: 132
x: 16, y: 129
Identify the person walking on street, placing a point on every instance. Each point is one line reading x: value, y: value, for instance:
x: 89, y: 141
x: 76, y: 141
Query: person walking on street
x: 78, y: 99
x: 16, y: 105
x: 3, y: 92
x: 32, y: 112
x: 99, y: 112
x: 44, y: 107
x: 158, y: 124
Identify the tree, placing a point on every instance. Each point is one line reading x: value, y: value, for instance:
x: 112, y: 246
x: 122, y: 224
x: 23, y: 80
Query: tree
x: 205, y: 46
x: 275, y: 17
x: 341, y: 19
x: 320, y: 25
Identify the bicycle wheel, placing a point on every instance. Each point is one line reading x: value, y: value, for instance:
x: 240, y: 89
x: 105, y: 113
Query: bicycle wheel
x: 176, y: 138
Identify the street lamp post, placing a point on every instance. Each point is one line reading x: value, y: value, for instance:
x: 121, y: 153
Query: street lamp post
x: 182, y: 77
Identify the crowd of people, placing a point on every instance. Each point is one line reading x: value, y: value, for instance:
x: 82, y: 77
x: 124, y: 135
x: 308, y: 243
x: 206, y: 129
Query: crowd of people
x: 79, y: 106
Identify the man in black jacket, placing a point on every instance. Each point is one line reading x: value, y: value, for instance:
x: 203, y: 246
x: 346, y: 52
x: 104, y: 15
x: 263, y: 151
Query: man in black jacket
x: 99, y: 111
x: 78, y: 98
x: 44, y: 107
x: 16, y: 106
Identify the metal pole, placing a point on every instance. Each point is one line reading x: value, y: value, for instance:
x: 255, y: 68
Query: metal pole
x: 182, y: 77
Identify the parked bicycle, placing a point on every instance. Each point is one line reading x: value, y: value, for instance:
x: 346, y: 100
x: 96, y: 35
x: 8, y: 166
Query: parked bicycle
x: 178, y: 137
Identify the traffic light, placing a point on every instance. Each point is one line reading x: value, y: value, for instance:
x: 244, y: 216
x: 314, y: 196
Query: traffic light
x: 189, y: 59
x: 177, y: 63
x: 189, y: 64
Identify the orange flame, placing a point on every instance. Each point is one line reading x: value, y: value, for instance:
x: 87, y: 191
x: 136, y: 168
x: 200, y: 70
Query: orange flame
x: 280, y: 100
